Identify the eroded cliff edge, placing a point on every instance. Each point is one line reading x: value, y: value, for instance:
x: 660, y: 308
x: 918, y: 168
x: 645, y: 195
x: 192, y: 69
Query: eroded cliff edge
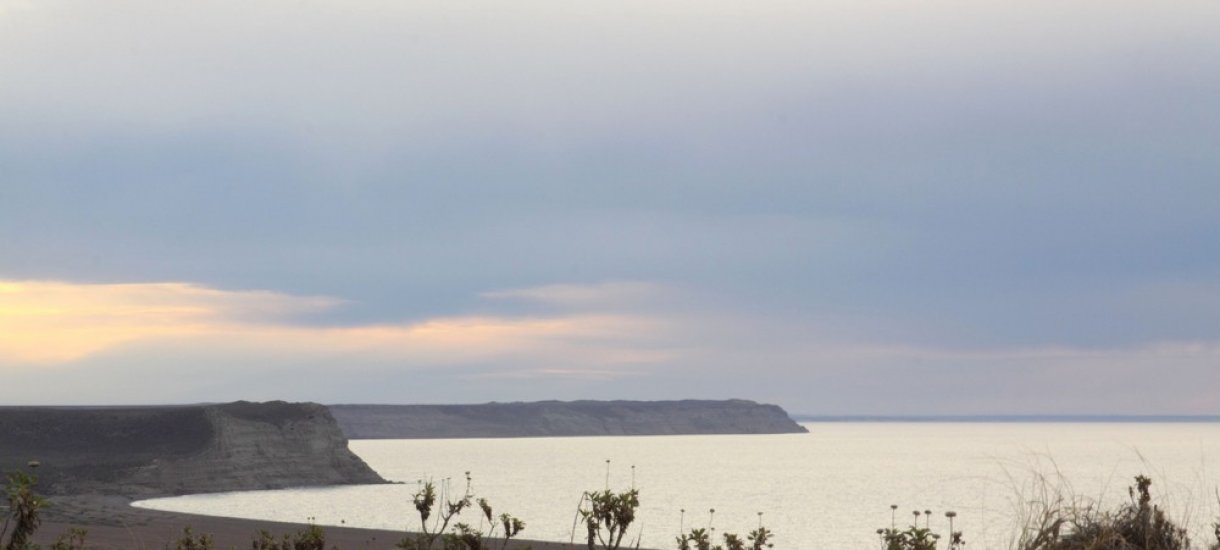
x: 562, y: 418
x: 154, y: 451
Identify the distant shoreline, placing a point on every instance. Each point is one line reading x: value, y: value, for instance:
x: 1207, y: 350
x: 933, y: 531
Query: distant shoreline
x: 562, y: 418
x: 1093, y: 419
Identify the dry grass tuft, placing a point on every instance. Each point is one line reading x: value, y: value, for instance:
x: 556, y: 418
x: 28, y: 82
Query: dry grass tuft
x: 1058, y: 521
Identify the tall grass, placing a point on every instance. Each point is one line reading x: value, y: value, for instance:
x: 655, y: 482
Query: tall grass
x: 1054, y: 517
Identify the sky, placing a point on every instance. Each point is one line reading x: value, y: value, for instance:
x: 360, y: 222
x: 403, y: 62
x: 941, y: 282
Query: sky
x: 837, y: 206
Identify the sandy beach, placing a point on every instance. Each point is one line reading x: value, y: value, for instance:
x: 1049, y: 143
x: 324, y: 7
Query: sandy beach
x: 113, y: 524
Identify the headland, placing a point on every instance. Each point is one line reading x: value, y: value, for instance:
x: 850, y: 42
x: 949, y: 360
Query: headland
x: 563, y: 419
x: 92, y: 462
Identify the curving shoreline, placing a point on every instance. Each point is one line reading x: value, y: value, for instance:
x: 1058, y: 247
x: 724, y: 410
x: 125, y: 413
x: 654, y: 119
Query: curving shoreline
x: 95, y: 461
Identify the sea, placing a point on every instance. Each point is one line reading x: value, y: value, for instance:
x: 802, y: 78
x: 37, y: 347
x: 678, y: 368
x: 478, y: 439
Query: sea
x: 832, y: 488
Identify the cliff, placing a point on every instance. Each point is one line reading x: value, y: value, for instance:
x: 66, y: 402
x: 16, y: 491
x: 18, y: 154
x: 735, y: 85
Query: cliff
x: 151, y: 451
x: 559, y: 418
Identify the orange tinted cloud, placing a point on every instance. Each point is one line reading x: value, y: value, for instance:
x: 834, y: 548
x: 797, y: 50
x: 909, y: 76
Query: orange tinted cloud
x: 54, y: 322
x: 571, y: 339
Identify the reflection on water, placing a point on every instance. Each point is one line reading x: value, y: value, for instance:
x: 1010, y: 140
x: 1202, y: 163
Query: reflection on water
x: 832, y: 486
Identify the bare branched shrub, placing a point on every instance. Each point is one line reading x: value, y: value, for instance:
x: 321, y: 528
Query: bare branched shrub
x: 462, y: 536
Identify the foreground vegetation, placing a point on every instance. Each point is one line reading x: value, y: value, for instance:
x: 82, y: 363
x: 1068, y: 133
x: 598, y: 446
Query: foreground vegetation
x: 1056, y: 523
x: 1060, y: 521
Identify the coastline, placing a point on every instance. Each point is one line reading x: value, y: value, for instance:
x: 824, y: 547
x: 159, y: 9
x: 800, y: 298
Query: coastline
x: 113, y: 524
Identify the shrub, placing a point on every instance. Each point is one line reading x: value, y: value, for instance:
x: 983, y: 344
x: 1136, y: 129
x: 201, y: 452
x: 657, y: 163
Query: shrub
x: 309, y: 538
x: 72, y: 539
x: 462, y: 536
x: 916, y: 537
x: 25, y: 510
x: 607, y: 516
x: 700, y: 539
x: 190, y: 542
x: 1137, y: 525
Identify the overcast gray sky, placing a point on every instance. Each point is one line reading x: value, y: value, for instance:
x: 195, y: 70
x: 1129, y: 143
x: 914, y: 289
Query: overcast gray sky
x: 839, y: 206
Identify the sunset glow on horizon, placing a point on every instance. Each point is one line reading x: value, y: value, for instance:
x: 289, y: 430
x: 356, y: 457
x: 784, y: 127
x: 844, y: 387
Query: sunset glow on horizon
x: 49, y: 323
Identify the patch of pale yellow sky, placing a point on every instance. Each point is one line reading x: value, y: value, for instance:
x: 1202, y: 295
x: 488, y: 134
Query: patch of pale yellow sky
x: 48, y: 323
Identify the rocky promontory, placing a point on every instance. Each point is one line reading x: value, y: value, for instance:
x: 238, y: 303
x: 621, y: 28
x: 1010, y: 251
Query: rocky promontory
x: 170, y: 450
x: 562, y: 418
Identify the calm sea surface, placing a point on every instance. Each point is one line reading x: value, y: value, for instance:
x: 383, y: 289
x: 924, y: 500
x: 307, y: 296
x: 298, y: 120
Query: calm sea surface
x: 831, y: 488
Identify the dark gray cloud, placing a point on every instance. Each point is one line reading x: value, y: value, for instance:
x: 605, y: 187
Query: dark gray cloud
x: 948, y: 176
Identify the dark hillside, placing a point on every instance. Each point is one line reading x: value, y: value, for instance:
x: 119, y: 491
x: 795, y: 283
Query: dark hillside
x: 142, y: 451
x: 562, y: 418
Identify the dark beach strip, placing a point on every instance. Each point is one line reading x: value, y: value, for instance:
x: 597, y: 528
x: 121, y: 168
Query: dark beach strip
x: 112, y: 523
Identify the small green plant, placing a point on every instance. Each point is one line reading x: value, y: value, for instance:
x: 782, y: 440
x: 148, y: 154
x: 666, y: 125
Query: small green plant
x: 72, y: 539
x: 189, y: 541
x: 697, y: 539
x: 607, y: 516
x: 425, y: 500
x: 913, y: 538
x: 311, y: 537
x: 25, y: 516
x: 701, y: 539
x: 462, y: 536
x: 25, y: 510
x: 760, y: 538
x: 916, y: 537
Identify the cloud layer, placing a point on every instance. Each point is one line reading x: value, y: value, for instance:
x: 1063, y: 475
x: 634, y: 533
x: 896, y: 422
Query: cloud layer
x: 74, y: 343
x: 807, y: 202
